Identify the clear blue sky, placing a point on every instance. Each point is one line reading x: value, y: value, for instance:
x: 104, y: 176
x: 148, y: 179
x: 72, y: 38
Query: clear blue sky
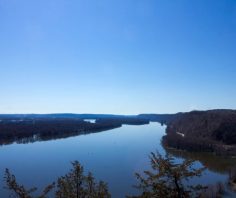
x: 121, y: 56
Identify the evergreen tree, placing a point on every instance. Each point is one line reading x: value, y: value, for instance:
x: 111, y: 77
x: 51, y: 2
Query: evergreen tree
x: 167, y: 179
x: 73, y: 185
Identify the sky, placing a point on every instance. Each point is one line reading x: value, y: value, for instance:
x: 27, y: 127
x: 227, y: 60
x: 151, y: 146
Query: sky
x: 119, y: 56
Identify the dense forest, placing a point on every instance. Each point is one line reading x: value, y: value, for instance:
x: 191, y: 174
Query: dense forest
x: 211, y: 131
x: 23, y: 131
x: 45, y: 128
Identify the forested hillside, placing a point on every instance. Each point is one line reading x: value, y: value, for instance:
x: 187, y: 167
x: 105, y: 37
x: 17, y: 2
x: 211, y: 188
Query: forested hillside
x: 213, y: 131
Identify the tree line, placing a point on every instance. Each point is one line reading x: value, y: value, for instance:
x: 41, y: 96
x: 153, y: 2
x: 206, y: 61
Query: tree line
x: 40, y: 129
x: 44, y: 129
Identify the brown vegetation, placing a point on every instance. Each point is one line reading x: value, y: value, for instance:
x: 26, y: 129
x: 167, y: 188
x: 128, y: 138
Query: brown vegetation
x: 40, y: 129
x: 211, y: 131
x: 45, y: 129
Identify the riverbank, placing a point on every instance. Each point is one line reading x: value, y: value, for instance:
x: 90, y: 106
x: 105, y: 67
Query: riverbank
x: 203, y: 131
x: 27, y: 130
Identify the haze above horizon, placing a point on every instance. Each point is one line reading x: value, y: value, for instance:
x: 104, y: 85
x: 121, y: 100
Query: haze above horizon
x: 117, y: 57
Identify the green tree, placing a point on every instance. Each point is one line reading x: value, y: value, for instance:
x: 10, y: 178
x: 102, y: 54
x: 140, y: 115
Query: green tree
x: 169, y: 179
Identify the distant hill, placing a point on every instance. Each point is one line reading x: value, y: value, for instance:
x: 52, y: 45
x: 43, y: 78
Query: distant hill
x: 213, y: 131
x: 162, y: 118
x: 61, y: 115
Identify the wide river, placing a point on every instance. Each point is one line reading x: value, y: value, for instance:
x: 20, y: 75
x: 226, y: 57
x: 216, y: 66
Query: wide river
x: 112, y: 156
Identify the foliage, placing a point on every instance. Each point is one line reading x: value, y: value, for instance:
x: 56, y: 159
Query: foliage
x: 226, y: 132
x: 210, y: 131
x: 167, y: 179
x: 76, y: 185
x: 24, y: 131
x: 73, y: 185
x: 19, y: 191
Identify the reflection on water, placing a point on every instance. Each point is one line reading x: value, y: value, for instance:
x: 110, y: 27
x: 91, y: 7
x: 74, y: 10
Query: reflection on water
x: 214, y: 163
x: 113, y: 156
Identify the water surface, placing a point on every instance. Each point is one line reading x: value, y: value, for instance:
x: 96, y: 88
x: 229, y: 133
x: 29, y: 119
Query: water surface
x: 113, y: 156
